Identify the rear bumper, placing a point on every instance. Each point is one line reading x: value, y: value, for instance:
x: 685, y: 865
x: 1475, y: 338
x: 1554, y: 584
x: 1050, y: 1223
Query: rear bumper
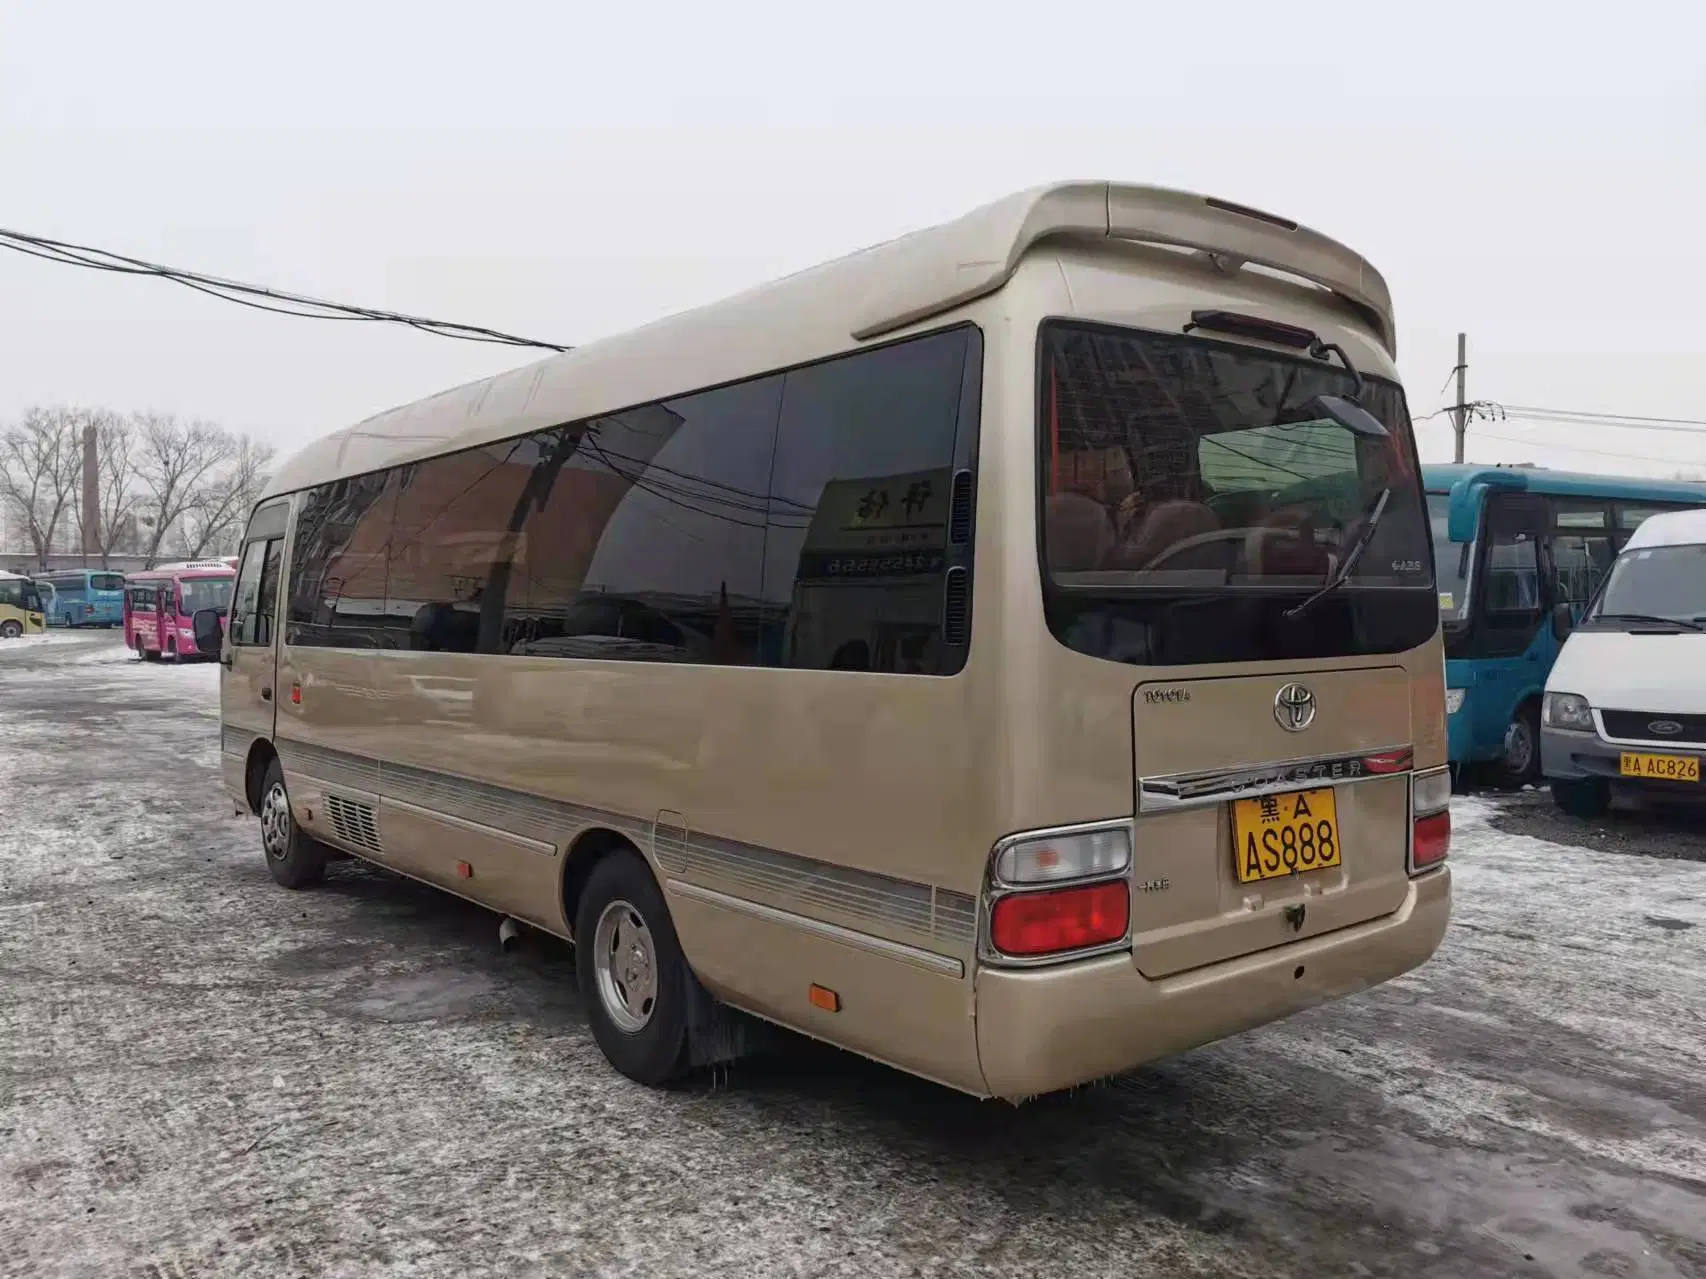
x: 1042, y: 1030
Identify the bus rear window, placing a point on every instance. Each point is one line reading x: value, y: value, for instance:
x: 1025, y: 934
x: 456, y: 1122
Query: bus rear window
x: 106, y: 581
x: 1179, y: 470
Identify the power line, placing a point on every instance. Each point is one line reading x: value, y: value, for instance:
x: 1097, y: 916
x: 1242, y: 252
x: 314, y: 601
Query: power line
x: 276, y: 301
x: 1590, y: 415
x: 1578, y: 448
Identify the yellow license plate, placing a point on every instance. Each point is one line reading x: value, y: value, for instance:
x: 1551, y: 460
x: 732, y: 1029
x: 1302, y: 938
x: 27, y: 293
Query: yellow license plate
x: 1659, y: 768
x: 1280, y: 835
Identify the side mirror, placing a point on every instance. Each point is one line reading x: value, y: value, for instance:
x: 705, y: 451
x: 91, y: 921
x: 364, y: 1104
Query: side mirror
x: 1563, y: 621
x: 1348, y: 414
x: 209, y: 631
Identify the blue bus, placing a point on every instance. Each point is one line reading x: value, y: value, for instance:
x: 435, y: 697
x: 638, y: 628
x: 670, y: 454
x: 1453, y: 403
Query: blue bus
x: 1510, y: 543
x: 85, y: 597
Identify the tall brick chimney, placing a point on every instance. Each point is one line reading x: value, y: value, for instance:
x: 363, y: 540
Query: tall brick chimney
x: 91, y: 493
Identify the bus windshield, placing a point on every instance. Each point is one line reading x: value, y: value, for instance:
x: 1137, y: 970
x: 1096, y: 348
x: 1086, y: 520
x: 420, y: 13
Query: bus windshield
x: 198, y: 593
x: 1451, y: 562
x: 1659, y: 582
x: 1186, y: 473
x: 20, y: 592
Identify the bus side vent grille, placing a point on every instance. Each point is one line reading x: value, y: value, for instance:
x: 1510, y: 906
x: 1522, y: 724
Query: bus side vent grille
x: 956, y: 616
x: 354, y: 823
x: 959, y: 514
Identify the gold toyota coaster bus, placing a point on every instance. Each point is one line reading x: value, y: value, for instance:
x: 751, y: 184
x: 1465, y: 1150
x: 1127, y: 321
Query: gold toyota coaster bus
x: 1010, y: 652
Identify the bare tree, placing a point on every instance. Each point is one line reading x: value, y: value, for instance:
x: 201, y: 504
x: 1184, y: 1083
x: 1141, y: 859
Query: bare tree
x: 40, y: 461
x: 175, y: 463
x: 213, y: 519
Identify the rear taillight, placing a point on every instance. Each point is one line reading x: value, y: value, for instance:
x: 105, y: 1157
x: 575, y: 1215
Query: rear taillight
x: 1056, y: 920
x: 1430, y: 808
x: 88, y: 610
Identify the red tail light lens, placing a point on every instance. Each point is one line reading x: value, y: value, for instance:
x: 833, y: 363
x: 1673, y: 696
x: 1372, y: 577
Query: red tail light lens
x: 1432, y: 841
x: 1061, y: 919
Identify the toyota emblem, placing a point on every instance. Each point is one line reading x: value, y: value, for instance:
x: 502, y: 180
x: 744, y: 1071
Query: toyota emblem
x: 1294, y: 708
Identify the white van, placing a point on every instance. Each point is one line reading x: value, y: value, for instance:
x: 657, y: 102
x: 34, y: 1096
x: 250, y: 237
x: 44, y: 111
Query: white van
x: 1625, y: 704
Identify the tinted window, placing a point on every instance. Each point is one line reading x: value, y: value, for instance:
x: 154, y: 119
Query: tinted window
x: 638, y: 535
x: 338, y: 562
x: 1631, y: 515
x: 106, y: 581
x: 245, y: 596
x: 462, y: 551
x: 860, y: 499
x: 1513, y: 573
x: 1194, y: 492
x: 254, y: 602
x: 141, y: 599
x: 1451, y: 560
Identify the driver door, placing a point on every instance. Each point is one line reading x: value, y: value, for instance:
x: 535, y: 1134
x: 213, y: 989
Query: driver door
x: 249, y: 654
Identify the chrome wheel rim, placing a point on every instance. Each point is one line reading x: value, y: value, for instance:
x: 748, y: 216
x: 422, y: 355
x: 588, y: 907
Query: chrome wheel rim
x: 275, y: 822
x: 624, y: 957
x: 1519, y: 748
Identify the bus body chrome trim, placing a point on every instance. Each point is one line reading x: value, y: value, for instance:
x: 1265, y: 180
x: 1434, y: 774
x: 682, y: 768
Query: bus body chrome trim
x: 797, y: 883
x: 1169, y: 792
x: 928, y: 960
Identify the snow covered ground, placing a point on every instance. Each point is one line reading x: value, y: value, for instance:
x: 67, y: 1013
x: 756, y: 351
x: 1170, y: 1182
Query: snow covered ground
x: 202, y: 1075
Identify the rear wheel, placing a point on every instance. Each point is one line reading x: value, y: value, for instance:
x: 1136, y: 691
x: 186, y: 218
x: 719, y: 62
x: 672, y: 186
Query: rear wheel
x: 295, y: 859
x: 11, y: 628
x: 1586, y: 798
x: 633, y: 978
x: 1520, y: 763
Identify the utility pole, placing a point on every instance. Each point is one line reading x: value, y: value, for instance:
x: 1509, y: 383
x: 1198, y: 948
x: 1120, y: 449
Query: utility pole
x: 1460, y: 415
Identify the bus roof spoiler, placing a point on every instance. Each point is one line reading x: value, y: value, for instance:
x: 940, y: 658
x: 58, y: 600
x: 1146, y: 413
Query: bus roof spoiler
x: 1463, y: 510
x: 941, y: 267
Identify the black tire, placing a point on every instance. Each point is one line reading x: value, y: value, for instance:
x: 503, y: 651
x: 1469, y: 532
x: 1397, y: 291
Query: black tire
x: 148, y: 654
x: 656, y: 1051
x: 1519, y: 766
x: 1585, y: 799
x: 295, y: 859
x: 11, y: 628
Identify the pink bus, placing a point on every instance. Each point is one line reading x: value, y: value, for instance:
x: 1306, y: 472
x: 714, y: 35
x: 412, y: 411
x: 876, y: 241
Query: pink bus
x: 160, y: 603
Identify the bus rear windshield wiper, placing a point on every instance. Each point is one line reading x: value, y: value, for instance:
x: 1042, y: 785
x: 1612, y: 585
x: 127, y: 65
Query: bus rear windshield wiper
x: 1347, y: 566
x: 1648, y: 619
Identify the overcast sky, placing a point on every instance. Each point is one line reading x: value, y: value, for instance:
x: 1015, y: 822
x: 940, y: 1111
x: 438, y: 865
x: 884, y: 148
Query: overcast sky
x: 567, y: 171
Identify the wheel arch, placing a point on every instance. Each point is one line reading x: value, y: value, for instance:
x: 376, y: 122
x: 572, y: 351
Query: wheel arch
x: 585, y: 851
x: 261, y: 756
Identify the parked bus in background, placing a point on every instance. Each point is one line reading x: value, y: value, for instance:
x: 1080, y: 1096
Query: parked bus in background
x: 1011, y: 652
x: 160, y: 603
x: 85, y: 597
x: 20, y: 606
x: 1511, y: 543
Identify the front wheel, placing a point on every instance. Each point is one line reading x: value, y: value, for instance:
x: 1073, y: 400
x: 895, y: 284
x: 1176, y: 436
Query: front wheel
x: 1586, y: 798
x: 295, y: 859
x: 11, y: 628
x: 1519, y: 765
x: 633, y: 978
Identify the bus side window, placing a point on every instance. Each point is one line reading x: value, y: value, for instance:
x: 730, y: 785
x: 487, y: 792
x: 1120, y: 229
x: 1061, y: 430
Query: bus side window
x: 1579, y: 549
x: 254, y: 601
